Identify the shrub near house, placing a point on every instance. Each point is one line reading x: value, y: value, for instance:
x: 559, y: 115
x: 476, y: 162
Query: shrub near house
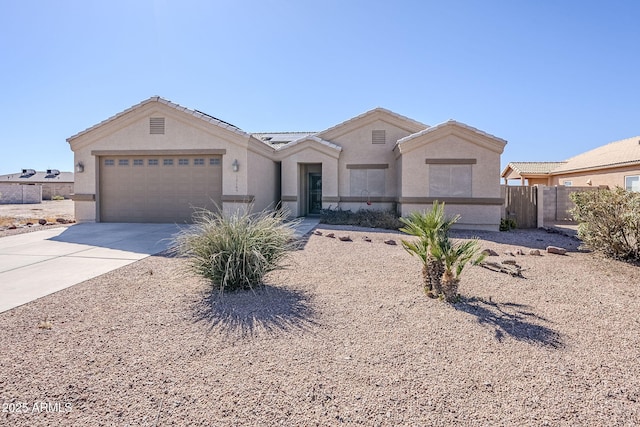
x: 609, y: 222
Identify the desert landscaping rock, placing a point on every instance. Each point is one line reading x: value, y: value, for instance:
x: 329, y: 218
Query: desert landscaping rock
x: 535, y: 252
x: 556, y: 250
x: 490, y: 252
x: 344, y: 336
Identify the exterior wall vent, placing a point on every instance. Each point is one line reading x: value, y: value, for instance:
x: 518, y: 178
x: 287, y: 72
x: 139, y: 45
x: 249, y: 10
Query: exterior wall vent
x: 378, y: 136
x: 156, y: 125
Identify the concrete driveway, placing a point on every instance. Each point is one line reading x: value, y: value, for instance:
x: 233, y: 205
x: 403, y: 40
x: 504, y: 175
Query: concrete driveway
x: 36, y: 264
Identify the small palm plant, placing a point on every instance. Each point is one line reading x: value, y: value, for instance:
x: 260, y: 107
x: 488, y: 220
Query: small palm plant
x: 455, y: 256
x: 442, y: 260
x: 431, y: 228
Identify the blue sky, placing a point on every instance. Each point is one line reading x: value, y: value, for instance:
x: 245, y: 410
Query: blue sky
x: 553, y: 78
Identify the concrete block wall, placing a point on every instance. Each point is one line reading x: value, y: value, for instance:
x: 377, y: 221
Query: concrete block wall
x: 557, y: 202
x: 57, y: 189
x: 20, y: 194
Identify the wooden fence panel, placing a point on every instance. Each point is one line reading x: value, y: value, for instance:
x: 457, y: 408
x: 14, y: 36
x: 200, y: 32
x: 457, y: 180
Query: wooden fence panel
x: 521, y: 204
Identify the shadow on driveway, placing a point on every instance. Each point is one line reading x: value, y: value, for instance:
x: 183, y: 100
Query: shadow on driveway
x: 139, y: 238
x: 515, y: 320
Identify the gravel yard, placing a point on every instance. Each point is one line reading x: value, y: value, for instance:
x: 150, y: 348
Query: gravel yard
x: 343, y: 336
x: 14, y: 219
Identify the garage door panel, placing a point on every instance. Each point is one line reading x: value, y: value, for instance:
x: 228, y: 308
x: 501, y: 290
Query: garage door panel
x: 157, y: 188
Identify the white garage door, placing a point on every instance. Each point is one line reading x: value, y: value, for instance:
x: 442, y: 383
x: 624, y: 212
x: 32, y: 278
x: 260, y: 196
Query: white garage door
x: 158, y: 188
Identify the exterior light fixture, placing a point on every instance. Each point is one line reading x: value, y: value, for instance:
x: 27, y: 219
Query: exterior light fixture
x: 235, y: 165
x: 79, y: 167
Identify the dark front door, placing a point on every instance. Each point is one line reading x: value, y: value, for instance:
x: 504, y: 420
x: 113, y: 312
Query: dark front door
x: 315, y: 193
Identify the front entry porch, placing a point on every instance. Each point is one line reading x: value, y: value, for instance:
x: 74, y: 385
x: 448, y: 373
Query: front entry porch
x: 310, y: 188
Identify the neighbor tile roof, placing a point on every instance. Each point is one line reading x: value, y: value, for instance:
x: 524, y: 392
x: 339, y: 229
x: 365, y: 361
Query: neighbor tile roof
x: 535, y: 167
x: 618, y: 153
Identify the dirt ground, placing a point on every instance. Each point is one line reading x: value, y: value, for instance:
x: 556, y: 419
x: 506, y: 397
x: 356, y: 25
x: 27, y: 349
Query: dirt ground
x: 343, y: 336
x: 22, y: 214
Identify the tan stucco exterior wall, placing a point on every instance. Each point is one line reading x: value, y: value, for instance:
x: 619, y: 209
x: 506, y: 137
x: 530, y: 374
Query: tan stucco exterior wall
x: 610, y: 177
x: 131, y: 132
x: 485, y: 172
x: 262, y: 181
x: 358, y: 149
x: 292, y: 187
x: 537, y: 181
x: 485, y: 176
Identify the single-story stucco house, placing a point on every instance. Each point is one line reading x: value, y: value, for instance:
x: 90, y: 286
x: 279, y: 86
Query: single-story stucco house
x: 157, y: 160
x: 52, y: 181
x: 616, y: 164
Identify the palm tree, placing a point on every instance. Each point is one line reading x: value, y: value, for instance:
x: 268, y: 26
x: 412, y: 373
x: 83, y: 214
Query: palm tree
x: 455, y: 256
x: 431, y: 228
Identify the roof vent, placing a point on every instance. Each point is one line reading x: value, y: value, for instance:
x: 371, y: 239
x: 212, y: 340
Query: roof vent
x: 378, y: 136
x: 28, y: 172
x: 156, y: 125
x: 53, y: 172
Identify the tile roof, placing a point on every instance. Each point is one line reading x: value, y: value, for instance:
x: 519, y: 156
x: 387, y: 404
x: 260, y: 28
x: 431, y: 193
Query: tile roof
x: 449, y: 123
x: 37, y: 177
x: 195, y: 113
x: 534, y: 167
x: 618, y: 153
x: 371, y: 112
x: 278, y: 138
x: 310, y: 138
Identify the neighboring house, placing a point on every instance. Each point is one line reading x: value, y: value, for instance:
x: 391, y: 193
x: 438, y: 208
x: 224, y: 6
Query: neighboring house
x: 156, y: 161
x: 611, y: 165
x: 530, y: 173
x: 53, y: 182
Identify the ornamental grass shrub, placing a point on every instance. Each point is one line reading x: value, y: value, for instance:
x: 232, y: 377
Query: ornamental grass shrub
x: 236, y: 250
x: 609, y: 222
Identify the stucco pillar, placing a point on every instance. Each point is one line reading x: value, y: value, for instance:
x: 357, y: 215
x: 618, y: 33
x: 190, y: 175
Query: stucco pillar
x: 540, y: 202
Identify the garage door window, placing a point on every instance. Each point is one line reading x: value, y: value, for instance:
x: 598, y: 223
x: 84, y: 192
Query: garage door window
x: 123, y: 162
x: 138, y: 162
x: 183, y: 162
x: 198, y: 162
x: 214, y: 162
x: 109, y: 162
x: 167, y: 162
x: 153, y: 162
